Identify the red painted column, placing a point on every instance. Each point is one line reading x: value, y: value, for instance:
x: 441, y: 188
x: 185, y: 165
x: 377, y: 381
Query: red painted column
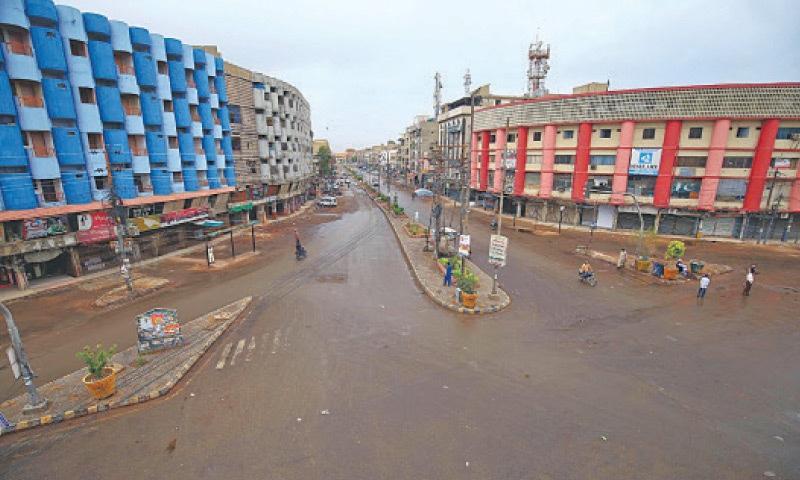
x: 499, y: 148
x: 663, y: 188
x: 794, y: 193
x: 548, y: 159
x: 522, y: 155
x: 716, y: 154
x: 622, y: 162
x: 761, y: 160
x: 581, y: 171
x: 484, y: 160
x: 473, y: 161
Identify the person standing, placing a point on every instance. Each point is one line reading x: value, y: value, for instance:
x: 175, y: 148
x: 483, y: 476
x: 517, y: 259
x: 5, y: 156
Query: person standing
x: 623, y: 258
x: 704, y: 282
x: 748, y: 283
x: 448, y: 275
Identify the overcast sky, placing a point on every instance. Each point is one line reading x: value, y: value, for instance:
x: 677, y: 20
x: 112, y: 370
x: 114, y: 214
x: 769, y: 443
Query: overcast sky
x: 367, y: 66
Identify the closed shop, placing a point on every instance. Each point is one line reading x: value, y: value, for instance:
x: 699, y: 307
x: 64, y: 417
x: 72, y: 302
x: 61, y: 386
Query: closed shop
x: 677, y: 225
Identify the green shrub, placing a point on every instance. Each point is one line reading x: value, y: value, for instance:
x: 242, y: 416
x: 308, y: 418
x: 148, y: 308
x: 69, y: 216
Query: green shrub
x: 96, y: 359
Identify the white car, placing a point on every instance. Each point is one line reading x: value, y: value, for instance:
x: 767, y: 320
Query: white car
x: 328, y: 202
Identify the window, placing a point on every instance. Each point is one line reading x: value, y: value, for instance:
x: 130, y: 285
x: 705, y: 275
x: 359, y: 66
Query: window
x: 95, y: 141
x: 737, y: 162
x: 562, y: 182
x: 696, y: 132
x: 648, y: 133
x: 511, y: 138
x: 642, y: 185
x: 686, y: 188
x: 731, y: 189
x: 87, y: 95
x: 569, y: 134
x: 236, y: 143
x: 602, y: 159
x: 791, y: 162
x: 168, y: 106
x: 173, y: 143
x: 605, y: 133
x: 492, y: 138
x: 51, y: 34
x: 537, y: 136
x: 162, y: 68
x: 533, y: 180
x: 235, y: 113
x: 77, y: 48
x: 786, y: 133
x: 601, y: 183
x: 742, y: 132
x: 697, y: 162
x: 565, y: 159
x: 533, y: 160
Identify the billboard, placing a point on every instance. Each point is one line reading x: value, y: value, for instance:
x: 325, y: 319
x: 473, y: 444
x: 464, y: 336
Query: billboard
x: 645, y: 161
x: 95, y: 227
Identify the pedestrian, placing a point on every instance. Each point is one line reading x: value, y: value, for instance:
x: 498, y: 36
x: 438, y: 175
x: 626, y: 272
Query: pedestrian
x: 704, y: 281
x: 748, y: 283
x: 448, y: 275
x: 623, y: 258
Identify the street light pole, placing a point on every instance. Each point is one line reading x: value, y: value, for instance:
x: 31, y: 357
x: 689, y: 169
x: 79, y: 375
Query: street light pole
x: 35, y: 402
x: 560, y: 217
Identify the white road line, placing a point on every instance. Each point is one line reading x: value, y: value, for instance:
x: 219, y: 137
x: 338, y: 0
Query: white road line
x: 225, y: 352
x: 239, y: 349
x: 264, y: 342
x: 276, y: 342
x: 286, y: 337
x: 250, y: 348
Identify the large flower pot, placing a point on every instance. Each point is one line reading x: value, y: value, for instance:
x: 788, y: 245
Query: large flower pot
x: 642, y: 265
x: 104, y: 387
x: 469, y: 299
x: 670, y: 273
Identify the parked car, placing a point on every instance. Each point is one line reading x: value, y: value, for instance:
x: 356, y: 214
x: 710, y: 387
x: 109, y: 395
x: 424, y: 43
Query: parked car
x: 423, y: 192
x: 327, y: 202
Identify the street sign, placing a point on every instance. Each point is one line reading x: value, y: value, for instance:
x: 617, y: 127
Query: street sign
x: 498, y: 245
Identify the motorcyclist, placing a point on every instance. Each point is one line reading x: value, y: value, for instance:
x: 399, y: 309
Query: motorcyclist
x: 298, y: 248
x: 586, y: 269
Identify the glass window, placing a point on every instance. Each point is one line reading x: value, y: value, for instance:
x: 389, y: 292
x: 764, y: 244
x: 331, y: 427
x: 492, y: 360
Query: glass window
x: 562, y: 182
x: 600, y: 183
x: 77, y: 48
x: 786, y: 133
x: 737, y: 162
x: 605, y: 133
x: 742, y: 132
x: 492, y: 138
x: 235, y: 113
x: 537, y: 136
x: 642, y: 185
x: 648, y: 133
x: 511, y: 138
x: 565, y: 159
x: 533, y: 160
x: 696, y: 132
x: 697, y: 162
x: 731, y: 189
x: 567, y: 134
x: 686, y: 187
x: 602, y: 160
x: 533, y: 179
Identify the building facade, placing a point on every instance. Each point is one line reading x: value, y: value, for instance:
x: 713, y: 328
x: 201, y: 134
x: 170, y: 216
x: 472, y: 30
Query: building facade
x: 95, y: 113
x: 700, y: 160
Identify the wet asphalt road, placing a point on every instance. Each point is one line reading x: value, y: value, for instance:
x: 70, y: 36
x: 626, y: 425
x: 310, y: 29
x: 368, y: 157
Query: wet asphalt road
x: 347, y: 371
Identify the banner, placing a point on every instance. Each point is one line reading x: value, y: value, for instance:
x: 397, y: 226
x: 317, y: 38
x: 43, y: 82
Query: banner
x: 183, y: 216
x: 95, y: 227
x: 645, y: 161
x: 150, y: 222
x: 463, y: 245
x: 43, y: 227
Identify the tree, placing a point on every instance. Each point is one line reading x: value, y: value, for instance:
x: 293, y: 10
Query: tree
x: 324, y: 157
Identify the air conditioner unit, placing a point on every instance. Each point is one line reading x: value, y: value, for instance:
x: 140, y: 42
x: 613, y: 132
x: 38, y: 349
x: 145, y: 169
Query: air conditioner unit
x: 509, y: 189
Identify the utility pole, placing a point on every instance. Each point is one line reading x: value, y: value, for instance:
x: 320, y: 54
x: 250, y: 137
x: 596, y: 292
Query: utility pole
x: 761, y: 236
x: 35, y: 403
x: 120, y: 215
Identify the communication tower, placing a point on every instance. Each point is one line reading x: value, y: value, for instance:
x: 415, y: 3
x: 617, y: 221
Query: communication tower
x: 538, y: 56
x: 437, y: 95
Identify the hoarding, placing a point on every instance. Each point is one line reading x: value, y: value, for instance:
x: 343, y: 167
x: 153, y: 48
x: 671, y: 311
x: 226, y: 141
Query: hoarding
x: 498, y: 245
x: 95, y: 227
x: 645, y: 161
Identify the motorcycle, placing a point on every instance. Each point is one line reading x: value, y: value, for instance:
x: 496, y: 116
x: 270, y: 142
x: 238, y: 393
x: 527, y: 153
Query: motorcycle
x: 300, y: 253
x: 493, y: 225
x: 587, y: 278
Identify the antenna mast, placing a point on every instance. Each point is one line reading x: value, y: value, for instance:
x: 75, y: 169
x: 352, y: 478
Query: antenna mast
x: 467, y: 83
x: 437, y: 95
x: 538, y: 56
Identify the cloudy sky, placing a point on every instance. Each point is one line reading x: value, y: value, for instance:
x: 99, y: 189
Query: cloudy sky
x: 367, y: 66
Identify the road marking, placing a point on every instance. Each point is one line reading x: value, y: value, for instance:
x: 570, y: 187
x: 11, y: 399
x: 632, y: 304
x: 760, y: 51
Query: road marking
x: 277, y: 341
x: 225, y: 352
x: 239, y: 349
x: 250, y: 347
x: 264, y: 342
x: 286, y: 337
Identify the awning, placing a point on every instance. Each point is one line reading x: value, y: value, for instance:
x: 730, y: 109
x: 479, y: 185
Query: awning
x: 42, y: 256
x: 241, y: 208
x: 210, y: 223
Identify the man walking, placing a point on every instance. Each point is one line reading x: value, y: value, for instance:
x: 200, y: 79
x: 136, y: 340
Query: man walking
x: 623, y: 258
x: 748, y: 283
x: 448, y: 275
x: 701, y: 292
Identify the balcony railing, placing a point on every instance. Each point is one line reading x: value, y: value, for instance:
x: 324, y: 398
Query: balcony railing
x: 19, y: 48
x: 31, y: 101
x: 126, y: 70
x: 132, y: 110
x: 43, y: 152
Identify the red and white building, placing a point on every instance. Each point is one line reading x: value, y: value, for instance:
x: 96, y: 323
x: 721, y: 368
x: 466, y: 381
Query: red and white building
x: 716, y: 160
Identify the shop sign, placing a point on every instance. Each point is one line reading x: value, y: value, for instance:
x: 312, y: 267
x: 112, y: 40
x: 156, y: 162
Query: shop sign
x: 43, y: 227
x: 95, y: 227
x: 143, y: 224
x: 645, y: 161
x: 141, y: 211
x: 183, y: 216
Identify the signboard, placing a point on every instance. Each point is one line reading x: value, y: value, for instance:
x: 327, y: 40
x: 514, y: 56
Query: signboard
x: 95, y: 227
x: 498, y: 245
x: 463, y: 245
x: 782, y: 163
x: 645, y: 161
x: 143, y: 224
x: 158, y: 329
x: 183, y: 216
x: 43, y: 227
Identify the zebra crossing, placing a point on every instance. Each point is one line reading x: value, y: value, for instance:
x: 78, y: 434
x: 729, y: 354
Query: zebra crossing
x: 244, y: 349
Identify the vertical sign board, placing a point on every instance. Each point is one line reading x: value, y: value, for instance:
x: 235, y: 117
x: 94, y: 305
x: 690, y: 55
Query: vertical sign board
x: 158, y: 329
x: 498, y: 245
x: 463, y: 245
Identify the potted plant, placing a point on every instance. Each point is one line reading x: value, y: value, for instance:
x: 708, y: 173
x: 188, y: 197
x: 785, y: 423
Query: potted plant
x: 675, y: 250
x: 646, y: 242
x: 468, y: 286
x: 101, y: 379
